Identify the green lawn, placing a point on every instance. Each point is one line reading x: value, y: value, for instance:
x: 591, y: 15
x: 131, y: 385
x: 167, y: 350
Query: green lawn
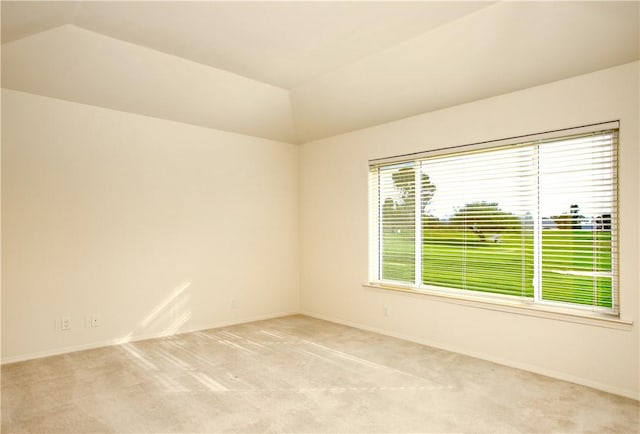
x: 506, y: 267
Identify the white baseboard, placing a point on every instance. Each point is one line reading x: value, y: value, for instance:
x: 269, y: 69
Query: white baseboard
x: 137, y: 337
x: 499, y: 360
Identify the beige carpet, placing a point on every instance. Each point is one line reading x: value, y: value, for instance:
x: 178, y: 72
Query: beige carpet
x: 294, y: 374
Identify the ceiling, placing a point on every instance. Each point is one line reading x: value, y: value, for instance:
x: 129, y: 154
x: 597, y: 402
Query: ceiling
x: 282, y: 43
x: 298, y: 71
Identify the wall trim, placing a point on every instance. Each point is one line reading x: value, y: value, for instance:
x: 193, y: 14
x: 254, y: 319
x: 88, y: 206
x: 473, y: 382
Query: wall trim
x: 499, y: 360
x: 138, y: 337
x: 510, y: 304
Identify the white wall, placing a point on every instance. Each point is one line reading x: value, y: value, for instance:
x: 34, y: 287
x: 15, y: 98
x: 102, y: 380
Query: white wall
x: 334, y: 219
x: 157, y: 226
x: 75, y: 64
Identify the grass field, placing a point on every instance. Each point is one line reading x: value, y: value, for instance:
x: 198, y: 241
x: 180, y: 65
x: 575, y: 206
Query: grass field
x: 458, y: 259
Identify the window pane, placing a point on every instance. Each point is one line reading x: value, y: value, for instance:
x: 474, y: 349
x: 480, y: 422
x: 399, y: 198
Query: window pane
x: 397, y: 192
x: 536, y: 219
x: 478, y: 226
x: 577, y: 179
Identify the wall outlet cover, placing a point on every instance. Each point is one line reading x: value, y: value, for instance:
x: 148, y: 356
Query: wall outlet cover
x: 96, y: 320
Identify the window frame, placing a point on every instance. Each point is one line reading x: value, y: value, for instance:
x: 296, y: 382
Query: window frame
x: 474, y: 296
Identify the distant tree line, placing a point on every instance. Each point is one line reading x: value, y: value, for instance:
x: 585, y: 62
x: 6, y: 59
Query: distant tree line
x: 574, y: 220
x: 484, y: 219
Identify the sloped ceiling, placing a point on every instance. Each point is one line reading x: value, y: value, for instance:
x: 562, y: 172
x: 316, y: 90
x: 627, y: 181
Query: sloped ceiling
x: 283, y: 43
x: 74, y: 64
x: 497, y: 50
x: 299, y: 71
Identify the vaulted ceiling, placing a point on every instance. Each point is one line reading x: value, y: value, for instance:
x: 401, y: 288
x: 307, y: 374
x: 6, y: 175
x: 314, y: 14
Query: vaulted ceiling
x: 297, y: 71
x: 280, y: 43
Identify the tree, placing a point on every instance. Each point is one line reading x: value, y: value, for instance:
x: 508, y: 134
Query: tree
x: 484, y: 219
x: 399, y: 213
x: 603, y: 222
x: 563, y: 221
x: 404, y: 180
x: 571, y: 220
x: 576, y: 217
x: 389, y: 216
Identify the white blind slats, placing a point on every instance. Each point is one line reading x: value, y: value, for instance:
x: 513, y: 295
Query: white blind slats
x: 535, y: 219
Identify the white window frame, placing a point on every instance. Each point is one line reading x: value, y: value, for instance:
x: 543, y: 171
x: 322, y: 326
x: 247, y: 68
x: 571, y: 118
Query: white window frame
x: 537, y: 303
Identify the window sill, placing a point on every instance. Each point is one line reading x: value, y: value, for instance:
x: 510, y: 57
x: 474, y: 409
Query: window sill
x: 516, y: 307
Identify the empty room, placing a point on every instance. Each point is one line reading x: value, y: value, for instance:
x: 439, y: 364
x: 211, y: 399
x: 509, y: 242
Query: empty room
x: 315, y: 216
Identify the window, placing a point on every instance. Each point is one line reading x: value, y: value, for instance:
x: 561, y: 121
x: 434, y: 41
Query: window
x: 533, y: 218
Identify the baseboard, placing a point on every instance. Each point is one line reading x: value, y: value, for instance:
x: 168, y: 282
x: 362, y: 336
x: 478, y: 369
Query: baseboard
x: 137, y: 337
x: 502, y: 361
x: 499, y: 360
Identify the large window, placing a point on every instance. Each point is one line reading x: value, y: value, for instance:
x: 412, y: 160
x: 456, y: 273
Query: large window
x: 533, y: 218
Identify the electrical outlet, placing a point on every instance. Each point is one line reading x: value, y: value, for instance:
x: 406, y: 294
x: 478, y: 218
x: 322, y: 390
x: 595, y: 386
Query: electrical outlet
x: 96, y: 320
x: 386, y: 311
x: 234, y: 304
x: 65, y: 323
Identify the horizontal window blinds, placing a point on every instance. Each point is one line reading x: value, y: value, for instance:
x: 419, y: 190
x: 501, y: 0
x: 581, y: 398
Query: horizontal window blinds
x: 479, y: 224
x: 397, y: 213
x: 535, y: 219
x: 577, y: 198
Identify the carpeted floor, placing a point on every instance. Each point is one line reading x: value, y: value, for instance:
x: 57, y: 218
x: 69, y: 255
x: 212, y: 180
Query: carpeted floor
x: 295, y: 374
